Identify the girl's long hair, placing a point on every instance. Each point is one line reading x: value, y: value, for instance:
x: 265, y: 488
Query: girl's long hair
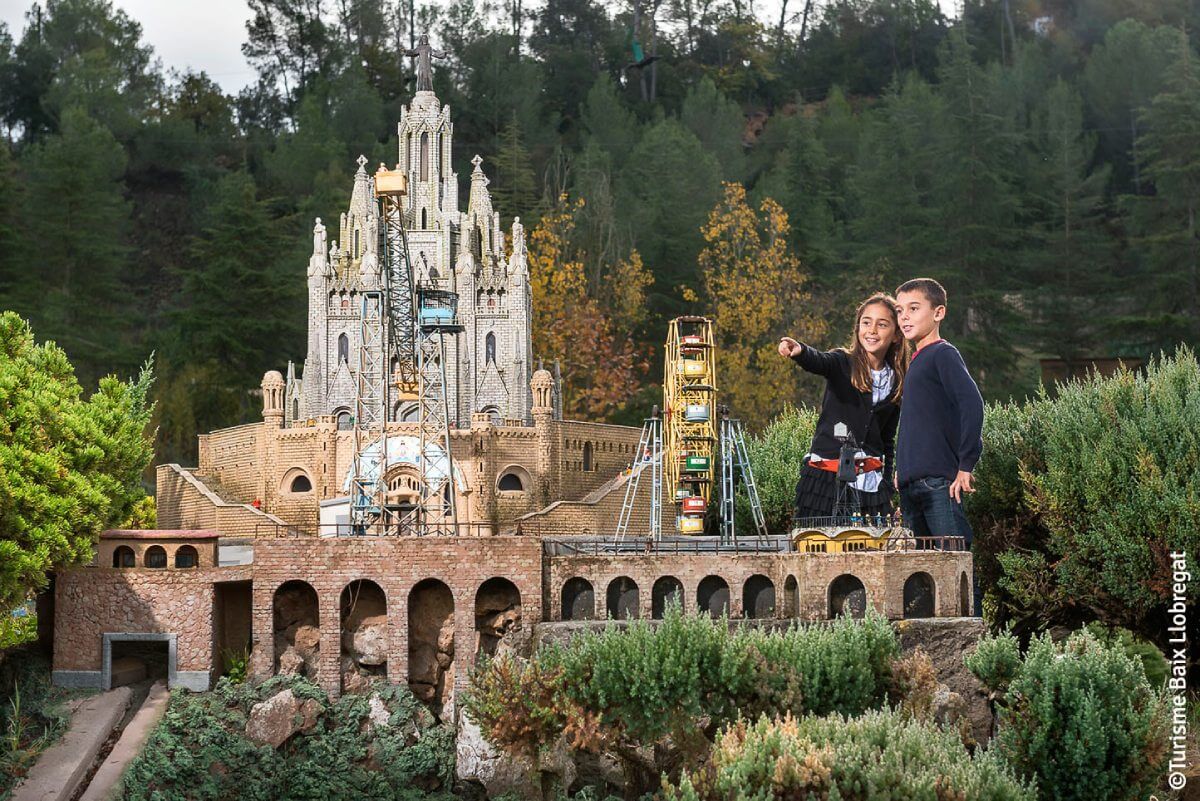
x: 896, y: 356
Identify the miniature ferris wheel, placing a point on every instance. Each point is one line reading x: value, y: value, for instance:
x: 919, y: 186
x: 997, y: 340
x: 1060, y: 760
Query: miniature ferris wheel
x: 689, y: 419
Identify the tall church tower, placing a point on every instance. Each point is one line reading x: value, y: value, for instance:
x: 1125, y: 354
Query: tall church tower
x: 489, y: 365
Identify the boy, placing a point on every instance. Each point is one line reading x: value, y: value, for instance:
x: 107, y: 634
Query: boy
x: 941, y: 421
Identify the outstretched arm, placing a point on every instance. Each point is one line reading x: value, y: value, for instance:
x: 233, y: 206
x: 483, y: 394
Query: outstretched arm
x: 809, y: 358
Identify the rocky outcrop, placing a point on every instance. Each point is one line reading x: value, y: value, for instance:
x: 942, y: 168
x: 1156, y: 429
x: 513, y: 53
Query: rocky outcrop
x: 274, y: 721
x: 431, y: 645
x: 354, y: 680
x: 297, y: 637
x: 378, y: 715
x: 557, y: 770
x: 365, y: 641
x: 497, y: 612
x: 431, y: 665
x: 947, y: 641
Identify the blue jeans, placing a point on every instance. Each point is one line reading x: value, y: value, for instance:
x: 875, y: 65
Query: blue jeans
x: 929, y: 511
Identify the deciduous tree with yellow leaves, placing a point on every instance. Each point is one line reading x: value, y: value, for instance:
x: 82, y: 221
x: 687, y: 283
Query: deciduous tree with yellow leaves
x: 601, y: 365
x: 755, y: 287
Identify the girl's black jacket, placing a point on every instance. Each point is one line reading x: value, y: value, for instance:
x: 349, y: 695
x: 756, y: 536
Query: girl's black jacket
x: 874, y: 427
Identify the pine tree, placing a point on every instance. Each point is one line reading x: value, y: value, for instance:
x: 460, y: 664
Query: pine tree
x: 607, y: 123
x: 719, y: 125
x: 807, y: 194
x: 69, y: 467
x: 230, y: 282
x: 12, y: 194
x: 78, y: 225
x: 1121, y: 77
x: 1073, y: 261
x: 1167, y: 221
x: 515, y: 190
x: 894, y: 225
x: 975, y: 248
x: 666, y: 192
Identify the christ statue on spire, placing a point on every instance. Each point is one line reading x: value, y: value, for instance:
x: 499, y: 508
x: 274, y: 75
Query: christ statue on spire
x: 424, y: 54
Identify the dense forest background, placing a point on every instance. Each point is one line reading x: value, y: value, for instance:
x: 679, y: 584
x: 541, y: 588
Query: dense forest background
x: 1042, y: 159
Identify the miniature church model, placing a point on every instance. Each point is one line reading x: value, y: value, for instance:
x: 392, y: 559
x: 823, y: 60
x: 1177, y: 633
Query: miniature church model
x: 490, y: 365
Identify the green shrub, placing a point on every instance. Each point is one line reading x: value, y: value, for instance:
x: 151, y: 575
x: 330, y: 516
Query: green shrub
x: 237, y: 665
x: 199, y: 750
x: 775, y: 457
x: 882, y: 754
x: 673, y: 685
x: 1083, y: 495
x: 996, y: 661
x: 1153, y: 662
x: 17, y: 631
x: 1081, y: 718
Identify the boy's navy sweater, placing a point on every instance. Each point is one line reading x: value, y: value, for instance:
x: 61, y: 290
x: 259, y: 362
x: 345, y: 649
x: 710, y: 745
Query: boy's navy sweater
x: 941, y: 416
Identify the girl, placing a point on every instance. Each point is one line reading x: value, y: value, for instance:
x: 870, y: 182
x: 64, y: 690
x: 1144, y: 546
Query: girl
x: 862, y: 390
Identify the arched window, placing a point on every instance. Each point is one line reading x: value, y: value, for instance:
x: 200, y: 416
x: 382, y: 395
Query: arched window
x: 344, y: 421
x: 666, y: 591
x: 712, y: 596
x: 847, y: 596
x: 587, y: 458
x: 295, y: 408
x: 424, y: 159
x: 424, y: 220
x: 622, y: 599
x: 300, y: 483
x: 758, y: 597
x: 357, y: 243
x: 411, y: 415
x: 343, y: 348
x: 489, y: 348
x: 578, y: 600
x: 510, y: 482
x: 123, y: 556
x: 186, y: 557
x: 156, y: 557
x: 919, y: 596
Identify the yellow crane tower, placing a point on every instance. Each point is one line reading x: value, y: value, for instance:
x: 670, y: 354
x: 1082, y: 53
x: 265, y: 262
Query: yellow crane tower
x: 689, y: 419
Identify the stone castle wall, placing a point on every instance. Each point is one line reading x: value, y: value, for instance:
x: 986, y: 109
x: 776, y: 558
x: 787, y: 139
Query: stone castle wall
x: 206, y: 549
x: 397, y: 565
x: 262, y: 462
x: 90, y: 602
x: 185, y: 502
x: 882, y: 574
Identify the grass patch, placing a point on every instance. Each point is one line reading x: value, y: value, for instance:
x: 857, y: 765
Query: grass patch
x: 33, y: 713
